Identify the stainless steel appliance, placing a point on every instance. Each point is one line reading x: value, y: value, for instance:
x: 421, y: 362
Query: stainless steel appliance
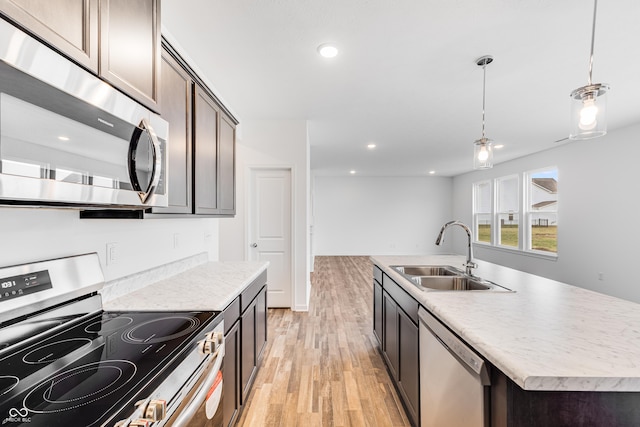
x: 66, y: 362
x: 69, y: 139
x: 454, y: 380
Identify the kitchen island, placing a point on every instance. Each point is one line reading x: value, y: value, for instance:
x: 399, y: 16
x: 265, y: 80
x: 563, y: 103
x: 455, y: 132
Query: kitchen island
x: 555, y: 347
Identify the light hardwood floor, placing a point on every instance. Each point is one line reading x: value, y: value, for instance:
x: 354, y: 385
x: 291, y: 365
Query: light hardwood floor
x: 323, y: 368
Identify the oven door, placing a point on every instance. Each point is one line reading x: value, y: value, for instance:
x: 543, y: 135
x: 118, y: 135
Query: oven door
x: 203, y: 402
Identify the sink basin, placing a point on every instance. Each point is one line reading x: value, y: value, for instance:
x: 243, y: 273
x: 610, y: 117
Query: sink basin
x: 445, y: 278
x: 456, y: 283
x: 427, y: 270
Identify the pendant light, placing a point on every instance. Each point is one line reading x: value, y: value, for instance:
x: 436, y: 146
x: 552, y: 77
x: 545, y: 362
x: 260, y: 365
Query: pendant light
x: 483, y: 147
x: 589, y: 103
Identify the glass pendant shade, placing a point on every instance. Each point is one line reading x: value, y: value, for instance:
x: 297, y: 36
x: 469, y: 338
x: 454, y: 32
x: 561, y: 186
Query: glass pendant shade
x: 589, y: 112
x: 482, y: 154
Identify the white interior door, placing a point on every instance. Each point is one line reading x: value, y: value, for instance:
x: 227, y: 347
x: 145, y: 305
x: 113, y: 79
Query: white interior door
x: 270, y: 230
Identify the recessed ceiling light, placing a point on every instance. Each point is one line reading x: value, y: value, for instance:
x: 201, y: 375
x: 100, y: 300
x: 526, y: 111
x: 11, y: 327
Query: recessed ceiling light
x: 371, y: 146
x: 328, y: 50
x: 499, y: 146
x: 432, y: 172
x: 63, y: 138
x: 352, y: 172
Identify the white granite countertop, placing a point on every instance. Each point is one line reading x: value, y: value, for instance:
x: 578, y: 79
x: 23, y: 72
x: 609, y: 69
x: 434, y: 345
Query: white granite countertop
x: 545, y: 336
x: 207, y: 287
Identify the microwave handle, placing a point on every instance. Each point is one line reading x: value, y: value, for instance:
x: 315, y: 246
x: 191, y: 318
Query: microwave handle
x: 157, y: 160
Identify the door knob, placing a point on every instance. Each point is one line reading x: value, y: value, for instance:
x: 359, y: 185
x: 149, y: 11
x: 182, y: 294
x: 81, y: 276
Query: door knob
x: 254, y: 245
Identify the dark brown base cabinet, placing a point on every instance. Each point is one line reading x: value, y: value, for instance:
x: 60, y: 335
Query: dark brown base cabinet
x: 511, y: 406
x: 396, y: 328
x: 245, y: 324
x: 395, y: 325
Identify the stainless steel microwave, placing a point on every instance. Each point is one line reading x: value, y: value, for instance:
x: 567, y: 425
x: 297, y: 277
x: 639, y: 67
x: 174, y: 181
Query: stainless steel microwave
x: 68, y: 139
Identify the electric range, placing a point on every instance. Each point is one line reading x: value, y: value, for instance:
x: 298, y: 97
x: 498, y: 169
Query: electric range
x: 66, y: 362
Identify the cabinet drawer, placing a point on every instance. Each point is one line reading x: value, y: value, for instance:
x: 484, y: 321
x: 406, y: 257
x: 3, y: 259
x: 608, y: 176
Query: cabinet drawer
x: 231, y: 314
x: 252, y: 291
x: 404, y: 300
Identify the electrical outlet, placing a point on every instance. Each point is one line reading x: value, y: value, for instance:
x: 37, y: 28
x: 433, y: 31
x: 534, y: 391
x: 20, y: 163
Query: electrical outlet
x: 601, y: 276
x: 112, y: 253
x: 176, y: 240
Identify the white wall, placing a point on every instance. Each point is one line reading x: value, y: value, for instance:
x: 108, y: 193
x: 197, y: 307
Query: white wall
x: 273, y: 143
x: 361, y: 215
x: 37, y: 234
x: 598, y: 213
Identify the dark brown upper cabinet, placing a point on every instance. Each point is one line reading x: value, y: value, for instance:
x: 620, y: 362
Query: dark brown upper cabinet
x: 69, y: 26
x: 118, y: 40
x: 130, y: 47
x: 176, y: 108
x: 205, y: 132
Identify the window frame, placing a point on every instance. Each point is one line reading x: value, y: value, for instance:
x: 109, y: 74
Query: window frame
x: 524, y: 214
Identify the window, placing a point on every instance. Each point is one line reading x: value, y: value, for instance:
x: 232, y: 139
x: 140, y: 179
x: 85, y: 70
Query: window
x: 542, y: 221
x: 508, y: 212
x: 518, y: 211
x: 482, y: 211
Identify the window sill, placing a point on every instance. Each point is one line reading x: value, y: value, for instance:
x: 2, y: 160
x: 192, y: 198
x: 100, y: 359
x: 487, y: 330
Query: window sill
x: 533, y: 254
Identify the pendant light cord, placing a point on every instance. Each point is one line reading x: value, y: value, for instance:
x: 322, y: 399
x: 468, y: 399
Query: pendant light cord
x: 484, y: 84
x: 593, y: 38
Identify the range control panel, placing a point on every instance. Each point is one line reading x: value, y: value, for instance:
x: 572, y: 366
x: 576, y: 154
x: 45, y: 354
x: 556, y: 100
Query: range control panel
x: 25, y: 284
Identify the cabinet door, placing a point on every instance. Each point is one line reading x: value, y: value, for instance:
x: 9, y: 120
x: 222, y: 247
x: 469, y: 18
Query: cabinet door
x: 231, y: 375
x: 261, y: 323
x: 71, y: 26
x: 409, y: 364
x: 248, y: 346
x: 390, y: 340
x: 205, y: 152
x: 226, y: 163
x: 175, y: 108
x: 377, y: 311
x: 130, y: 47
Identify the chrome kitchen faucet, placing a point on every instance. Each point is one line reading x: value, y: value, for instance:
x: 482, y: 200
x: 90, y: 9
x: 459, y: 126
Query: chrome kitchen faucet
x: 469, y: 264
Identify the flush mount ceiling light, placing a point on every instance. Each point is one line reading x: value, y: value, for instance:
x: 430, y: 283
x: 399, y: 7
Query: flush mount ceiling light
x: 483, y: 147
x: 589, y: 103
x: 371, y: 146
x: 328, y: 50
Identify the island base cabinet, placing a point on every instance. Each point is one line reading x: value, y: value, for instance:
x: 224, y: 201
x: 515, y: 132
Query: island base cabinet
x: 409, y: 364
x: 377, y: 311
x: 395, y: 322
x: 511, y: 406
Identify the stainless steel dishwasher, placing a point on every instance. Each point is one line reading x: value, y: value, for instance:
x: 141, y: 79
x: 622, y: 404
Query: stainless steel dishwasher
x: 454, y: 379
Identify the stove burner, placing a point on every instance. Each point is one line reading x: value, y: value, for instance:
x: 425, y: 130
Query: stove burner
x: 51, y: 352
x: 106, y: 326
x: 160, y: 330
x: 79, y: 386
x: 8, y: 383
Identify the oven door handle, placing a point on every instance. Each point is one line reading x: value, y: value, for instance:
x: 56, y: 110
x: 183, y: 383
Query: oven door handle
x: 187, y: 414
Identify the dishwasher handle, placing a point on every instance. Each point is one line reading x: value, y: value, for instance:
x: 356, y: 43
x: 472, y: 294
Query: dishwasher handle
x: 456, y: 346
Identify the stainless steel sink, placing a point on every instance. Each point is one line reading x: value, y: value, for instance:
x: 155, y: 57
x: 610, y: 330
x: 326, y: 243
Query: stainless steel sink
x: 456, y: 283
x: 427, y: 270
x: 445, y: 278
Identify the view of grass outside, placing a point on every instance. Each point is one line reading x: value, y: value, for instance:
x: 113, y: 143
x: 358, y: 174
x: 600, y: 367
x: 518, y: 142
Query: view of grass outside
x: 542, y: 238
x: 509, y: 235
x: 484, y: 233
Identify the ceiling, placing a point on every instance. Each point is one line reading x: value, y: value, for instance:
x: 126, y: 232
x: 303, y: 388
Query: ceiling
x: 406, y: 78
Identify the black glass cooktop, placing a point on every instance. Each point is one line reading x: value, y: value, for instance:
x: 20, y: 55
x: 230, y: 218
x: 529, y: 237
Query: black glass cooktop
x: 84, y: 374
